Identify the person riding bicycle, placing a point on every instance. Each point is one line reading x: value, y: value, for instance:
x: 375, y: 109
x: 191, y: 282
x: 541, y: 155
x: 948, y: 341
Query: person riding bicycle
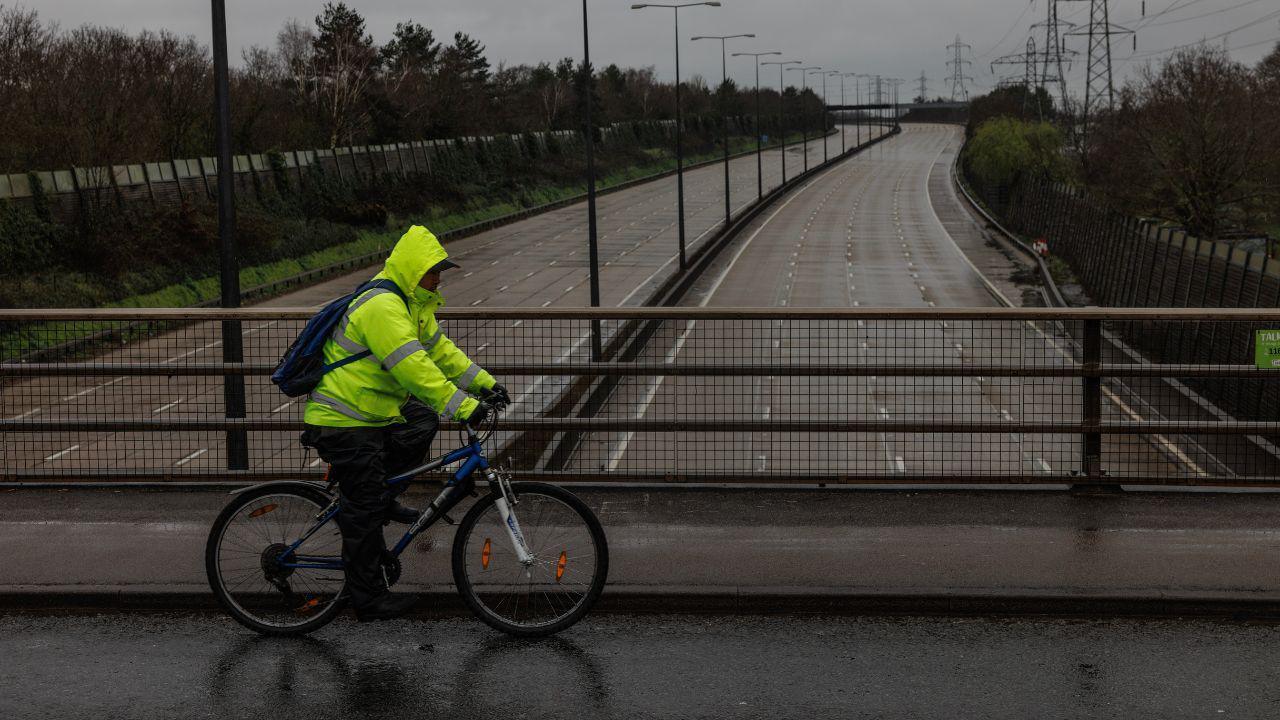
x: 375, y: 418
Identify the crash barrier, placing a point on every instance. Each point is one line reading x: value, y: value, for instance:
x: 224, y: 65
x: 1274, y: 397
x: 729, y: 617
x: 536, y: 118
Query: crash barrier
x: 839, y: 396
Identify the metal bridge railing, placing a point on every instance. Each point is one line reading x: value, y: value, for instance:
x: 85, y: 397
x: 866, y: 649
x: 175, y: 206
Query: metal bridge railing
x: 686, y: 395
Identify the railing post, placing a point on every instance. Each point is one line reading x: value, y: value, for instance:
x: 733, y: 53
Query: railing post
x: 1091, y: 412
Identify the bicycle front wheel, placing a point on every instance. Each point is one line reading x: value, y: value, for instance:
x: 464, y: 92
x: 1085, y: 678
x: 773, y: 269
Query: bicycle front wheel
x: 557, y: 587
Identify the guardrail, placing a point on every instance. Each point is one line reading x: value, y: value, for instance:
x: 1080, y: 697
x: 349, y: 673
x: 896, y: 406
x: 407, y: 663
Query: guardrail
x: 772, y: 396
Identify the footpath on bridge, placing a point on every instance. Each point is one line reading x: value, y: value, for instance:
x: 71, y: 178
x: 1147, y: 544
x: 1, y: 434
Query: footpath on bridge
x: 741, y: 550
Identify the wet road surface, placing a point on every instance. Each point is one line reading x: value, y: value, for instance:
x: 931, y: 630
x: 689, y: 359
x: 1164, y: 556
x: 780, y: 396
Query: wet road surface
x: 205, y: 666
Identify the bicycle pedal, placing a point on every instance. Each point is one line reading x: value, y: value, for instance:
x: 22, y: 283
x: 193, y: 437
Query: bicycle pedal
x: 448, y: 519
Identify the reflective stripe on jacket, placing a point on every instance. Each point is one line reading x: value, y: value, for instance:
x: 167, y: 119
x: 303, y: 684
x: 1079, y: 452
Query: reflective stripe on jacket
x: 411, y: 354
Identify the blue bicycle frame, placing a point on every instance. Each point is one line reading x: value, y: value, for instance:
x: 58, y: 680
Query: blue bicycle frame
x: 458, y: 486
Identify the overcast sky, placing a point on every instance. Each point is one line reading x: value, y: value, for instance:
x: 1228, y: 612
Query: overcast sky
x: 891, y: 37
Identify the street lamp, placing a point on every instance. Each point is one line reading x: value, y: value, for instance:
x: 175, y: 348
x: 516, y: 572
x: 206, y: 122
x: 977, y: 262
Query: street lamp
x: 675, y: 11
x: 597, y: 348
x: 858, y: 90
x: 782, y: 112
x: 824, y: 115
x: 893, y: 97
x: 233, y: 395
x: 759, y: 148
x: 845, y: 105
x: 823, y: 118
x: 724, y: 116
x: 804, y: 128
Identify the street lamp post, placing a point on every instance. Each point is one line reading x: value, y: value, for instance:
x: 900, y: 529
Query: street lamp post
x: 804, y: 128
x: 824, y: 115
x: 597, y: 348
x: 844, y: 104
x: 782, y: 111
x: 232, y: 341
x: 724, y: 116
x: 759, y: 141
x: 675, y: 11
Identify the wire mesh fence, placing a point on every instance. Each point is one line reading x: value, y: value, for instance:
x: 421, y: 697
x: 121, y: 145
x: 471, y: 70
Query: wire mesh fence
x: 683, y: 395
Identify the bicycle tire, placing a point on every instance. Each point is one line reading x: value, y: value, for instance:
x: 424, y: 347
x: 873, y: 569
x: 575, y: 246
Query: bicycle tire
x: 213, y: 556
x: 525, y: 492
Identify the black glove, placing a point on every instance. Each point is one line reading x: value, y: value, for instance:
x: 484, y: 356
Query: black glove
x: 499, y: 394
x: 477, y: 417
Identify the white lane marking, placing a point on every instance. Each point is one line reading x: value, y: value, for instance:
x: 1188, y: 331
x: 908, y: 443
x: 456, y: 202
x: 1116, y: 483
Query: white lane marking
x: 504, y: 287
x: 482, y: 347
x: 315, y: 462
x: 1043, y: 466
x: 517, y: 323
x: 900, y: 464
x: 92, y: 389
x: 1124, y: 407
x: 764, y: 460
x: 191, y: 457
x: 189, y: 353
x: 26, y: 414
x: 166, y: 406
x: 651, y: 392
x: 61, y: 453
x: 261, y: 327
x: 546, y: 303
x: 282, y: 407
x: 470, y: 273
x: 476, y: 302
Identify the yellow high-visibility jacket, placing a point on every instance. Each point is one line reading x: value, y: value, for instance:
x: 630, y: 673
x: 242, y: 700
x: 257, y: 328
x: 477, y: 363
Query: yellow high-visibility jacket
x: 411, y: 354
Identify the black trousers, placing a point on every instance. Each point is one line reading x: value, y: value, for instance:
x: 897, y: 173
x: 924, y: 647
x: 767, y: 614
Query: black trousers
x: 362, y: 459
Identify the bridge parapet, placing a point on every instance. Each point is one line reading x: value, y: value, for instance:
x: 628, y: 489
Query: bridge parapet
x: 771, y: 396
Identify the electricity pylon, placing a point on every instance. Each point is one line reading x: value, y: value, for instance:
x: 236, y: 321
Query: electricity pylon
x: 1029, y: 60
x: 1053, y: 75
x: 1099, y: 88
x: 957, y: 70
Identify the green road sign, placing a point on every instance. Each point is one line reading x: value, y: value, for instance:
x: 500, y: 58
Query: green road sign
x: 1267, y: 349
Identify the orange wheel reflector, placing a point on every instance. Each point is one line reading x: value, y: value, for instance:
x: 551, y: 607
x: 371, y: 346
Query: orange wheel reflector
x: 564, y: 560
x: 484, y: 554
x: 308, y: 606
x: 263, y: 510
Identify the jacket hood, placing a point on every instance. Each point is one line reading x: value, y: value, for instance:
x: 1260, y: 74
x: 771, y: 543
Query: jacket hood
x: 415, y: 253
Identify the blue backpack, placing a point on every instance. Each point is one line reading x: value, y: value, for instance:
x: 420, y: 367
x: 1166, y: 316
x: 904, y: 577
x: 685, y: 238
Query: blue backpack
x: 302, y: 366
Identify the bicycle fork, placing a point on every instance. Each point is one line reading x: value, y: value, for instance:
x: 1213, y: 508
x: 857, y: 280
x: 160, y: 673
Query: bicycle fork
x: 504, y: 503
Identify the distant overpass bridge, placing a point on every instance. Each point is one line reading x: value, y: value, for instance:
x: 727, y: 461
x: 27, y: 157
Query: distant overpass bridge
x: 909, y: 112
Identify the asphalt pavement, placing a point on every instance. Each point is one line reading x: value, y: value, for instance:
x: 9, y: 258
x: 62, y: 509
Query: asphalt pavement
x: 177, y: 666
x: 869, y: 232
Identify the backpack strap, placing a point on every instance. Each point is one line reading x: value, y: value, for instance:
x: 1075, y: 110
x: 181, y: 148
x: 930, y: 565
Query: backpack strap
x: 359, y: 298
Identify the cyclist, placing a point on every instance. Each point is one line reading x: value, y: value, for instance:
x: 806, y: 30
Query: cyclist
x: 375, y: 418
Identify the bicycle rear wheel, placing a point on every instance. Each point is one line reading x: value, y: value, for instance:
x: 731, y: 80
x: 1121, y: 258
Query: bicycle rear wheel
x: 562, y: 582
x: 251, y: 570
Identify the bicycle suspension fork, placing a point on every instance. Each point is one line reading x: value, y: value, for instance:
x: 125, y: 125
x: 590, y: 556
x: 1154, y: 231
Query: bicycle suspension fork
x: 504, y: 501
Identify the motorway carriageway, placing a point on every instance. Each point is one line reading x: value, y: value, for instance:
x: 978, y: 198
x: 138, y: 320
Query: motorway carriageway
x: 881, y: 230
x: 540, y: 261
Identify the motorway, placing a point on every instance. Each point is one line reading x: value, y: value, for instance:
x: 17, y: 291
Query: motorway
x: 867, y: 233
x: 150, y: 665
x: 537, y: 262
x: 882, y: 229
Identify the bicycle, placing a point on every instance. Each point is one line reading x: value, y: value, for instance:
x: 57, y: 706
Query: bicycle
x: 273, y: 557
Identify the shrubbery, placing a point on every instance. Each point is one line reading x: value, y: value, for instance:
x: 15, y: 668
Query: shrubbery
x: 114, y: 251
x: 1003, y: 148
